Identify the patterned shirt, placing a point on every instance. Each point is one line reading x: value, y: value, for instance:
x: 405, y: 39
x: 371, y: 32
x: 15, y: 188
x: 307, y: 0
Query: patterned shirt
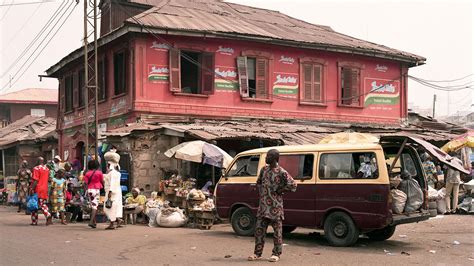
x: 271, y: 184
x: 430, y: 171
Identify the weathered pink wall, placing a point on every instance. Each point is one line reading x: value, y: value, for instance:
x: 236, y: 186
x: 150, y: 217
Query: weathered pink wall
x: 18, y: 111
x: 155, y: 96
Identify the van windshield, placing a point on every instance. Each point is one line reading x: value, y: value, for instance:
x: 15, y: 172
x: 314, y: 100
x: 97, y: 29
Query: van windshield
x: 244, y: 166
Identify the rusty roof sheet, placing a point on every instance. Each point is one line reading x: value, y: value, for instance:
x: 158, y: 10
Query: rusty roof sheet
x: 235, y: 20
x: 31, y: 96
x: 29, y: 128
x: 289, y: 133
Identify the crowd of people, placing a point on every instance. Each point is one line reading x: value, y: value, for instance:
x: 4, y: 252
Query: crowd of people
x: 61, y: 187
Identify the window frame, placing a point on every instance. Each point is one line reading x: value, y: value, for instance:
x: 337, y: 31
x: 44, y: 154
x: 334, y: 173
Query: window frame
x: 69, y: 96
x: 244, y: 176
x: 323, y: 83
x: 360, y: 91
x: 175, y: 69
x: 102, y: 69
x: 356, y: 179
x: 124, y: 90
x: 259, y: 56
x: 313, y: 170
x: 79, y: 89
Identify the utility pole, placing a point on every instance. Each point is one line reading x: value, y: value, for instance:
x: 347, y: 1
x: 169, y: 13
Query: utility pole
x: 434, y: 105
x: 91, y: 79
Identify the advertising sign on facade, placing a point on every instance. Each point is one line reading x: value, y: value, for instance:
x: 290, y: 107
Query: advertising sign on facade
x: 285, y: 84
x: 158, y: 73
x: 382, y: 92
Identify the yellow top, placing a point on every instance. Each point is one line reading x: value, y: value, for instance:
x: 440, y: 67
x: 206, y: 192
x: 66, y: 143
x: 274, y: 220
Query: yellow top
x: 317, y: 148
x: 140, y: 200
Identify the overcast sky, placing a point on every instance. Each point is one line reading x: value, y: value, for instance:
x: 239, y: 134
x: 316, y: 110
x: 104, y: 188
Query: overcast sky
x: 441, y: 31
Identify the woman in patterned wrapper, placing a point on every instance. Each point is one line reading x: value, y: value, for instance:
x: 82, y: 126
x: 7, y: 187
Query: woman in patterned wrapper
x: 22, y: 185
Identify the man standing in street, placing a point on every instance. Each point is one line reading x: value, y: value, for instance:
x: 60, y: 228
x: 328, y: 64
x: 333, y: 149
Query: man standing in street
x: 272, y: 182
x: 39, y: 186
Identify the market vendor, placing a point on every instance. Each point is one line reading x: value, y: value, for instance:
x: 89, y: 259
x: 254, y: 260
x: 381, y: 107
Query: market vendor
x: 135, y: 204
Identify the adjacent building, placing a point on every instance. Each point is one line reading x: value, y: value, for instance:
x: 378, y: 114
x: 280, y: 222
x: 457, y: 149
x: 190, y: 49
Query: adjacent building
x: 32, y: 101
x: 176, y: 61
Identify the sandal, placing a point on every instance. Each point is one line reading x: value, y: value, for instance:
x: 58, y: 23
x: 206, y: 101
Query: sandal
x: 254, y: 257
x: 110, y: 227
x: 273, y: 258
x: 92, y: 225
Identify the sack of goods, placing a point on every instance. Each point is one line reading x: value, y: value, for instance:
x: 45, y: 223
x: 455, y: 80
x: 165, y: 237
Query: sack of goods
x: 171, y: 218
x: 399, y: 199
x: 413, y: 191
x: 195, y: 194
x: 395, y: 181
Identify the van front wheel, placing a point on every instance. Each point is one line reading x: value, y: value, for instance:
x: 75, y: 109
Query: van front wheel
x: 382, y: 234
x: 340, y: 230
x: 243, y: 222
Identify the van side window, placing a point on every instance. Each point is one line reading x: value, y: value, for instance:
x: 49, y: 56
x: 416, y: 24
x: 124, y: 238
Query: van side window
x: 245, y: 166
x: 299, y: 166
x: 355, y: 165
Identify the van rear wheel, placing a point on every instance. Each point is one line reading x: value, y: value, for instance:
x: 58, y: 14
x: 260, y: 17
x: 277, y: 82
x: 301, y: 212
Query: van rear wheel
x: 382, y: 234
x: 243, y: 222
x: 340, y: 230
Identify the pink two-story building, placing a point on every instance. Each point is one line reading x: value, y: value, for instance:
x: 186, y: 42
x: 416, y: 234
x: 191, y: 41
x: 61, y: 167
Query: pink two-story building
x: 209, y: 59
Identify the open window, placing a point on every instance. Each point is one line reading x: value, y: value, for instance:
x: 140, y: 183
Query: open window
x: 253, y: 76
x: 350, y: 86
x: 192, y: 72
x: 299, y: 166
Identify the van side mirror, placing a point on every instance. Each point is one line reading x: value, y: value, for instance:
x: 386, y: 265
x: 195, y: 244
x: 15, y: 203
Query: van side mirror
x: 224, y: 176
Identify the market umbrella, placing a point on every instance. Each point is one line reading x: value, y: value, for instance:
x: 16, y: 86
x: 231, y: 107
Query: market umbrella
x: 465, y: 140
x: 200, y: 152
x: 349, y: 137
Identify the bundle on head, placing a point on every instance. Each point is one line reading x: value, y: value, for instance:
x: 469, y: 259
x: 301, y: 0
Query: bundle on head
x: 112, y: 157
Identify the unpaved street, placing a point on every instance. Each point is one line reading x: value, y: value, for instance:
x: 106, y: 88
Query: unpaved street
x: 77, y: 244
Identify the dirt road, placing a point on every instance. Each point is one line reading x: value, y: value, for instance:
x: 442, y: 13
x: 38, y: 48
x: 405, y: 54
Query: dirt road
x: 76, y: 244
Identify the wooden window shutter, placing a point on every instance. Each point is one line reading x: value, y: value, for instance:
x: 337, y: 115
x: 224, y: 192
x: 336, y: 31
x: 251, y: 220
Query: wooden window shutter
x: 346, y: 86
x: 207, y: 86
x: 261, y: 78
x: 307, y: 83
x: 243, y: 78
x: 175, y: 79
x: 355, y: 92
x: 76, y: 88
x: 317, y: 70
x: 62, y: 92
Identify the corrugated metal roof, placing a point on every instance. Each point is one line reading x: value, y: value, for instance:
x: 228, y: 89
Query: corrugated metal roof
x: 214, y: 16
x: 29, y: 128
x: 31, y: 95
x: 286, y: 132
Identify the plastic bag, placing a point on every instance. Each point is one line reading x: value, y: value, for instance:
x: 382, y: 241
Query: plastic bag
x: 395, y: 181
x: 432, y: 193
x: 15, y: 198
x: 175, y: 219
x: 399, y: 199
x: 414, y: 194
x: 32, y: 203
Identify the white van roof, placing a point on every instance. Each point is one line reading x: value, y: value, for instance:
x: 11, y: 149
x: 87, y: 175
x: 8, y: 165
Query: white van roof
x: 317, y: 148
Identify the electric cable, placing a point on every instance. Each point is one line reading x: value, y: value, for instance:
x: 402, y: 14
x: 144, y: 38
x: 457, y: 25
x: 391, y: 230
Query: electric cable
x: 50, y: 39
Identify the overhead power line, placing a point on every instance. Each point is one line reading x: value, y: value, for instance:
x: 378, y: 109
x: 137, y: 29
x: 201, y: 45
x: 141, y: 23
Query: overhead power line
x: 37, y: 36
x: 27, y: 3
x: 443, y: 88
x: 452, y: 80
x: 47, y: 43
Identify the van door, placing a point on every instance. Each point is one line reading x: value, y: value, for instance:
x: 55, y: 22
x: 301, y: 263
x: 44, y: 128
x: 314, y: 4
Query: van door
x: 238, y: 186
x: 300, y: 205
x: 355, y: 182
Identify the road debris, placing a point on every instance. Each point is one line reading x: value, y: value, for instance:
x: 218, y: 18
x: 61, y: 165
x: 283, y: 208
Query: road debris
x: 228, y: 256
x: 432, y: 251
x: 402, y: 236
x: 455, y: 242
x: 193, y: 248
x: 405, y: 253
